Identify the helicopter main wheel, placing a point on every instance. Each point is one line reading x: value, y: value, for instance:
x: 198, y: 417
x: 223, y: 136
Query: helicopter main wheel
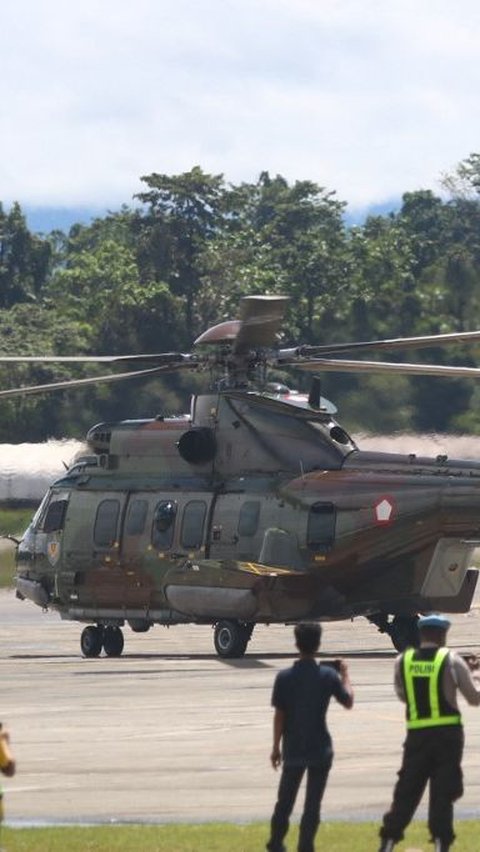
x: 113, y: 641
x: 403, y: 632
x: 231, y: 638
x: 91, y: 641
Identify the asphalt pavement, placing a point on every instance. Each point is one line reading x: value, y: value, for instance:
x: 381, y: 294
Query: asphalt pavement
x: 169, y: 732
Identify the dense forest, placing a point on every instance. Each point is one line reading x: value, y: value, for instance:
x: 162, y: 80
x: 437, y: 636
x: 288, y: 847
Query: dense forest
x: 152, y: 276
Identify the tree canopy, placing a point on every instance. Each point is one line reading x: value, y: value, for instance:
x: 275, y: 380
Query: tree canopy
x: 152, y: 276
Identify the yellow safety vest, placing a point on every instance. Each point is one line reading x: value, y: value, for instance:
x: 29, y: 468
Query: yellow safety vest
x: 415, y: 672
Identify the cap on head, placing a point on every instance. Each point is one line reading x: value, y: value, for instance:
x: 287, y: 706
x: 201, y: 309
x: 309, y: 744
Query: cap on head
x: 437, y: 622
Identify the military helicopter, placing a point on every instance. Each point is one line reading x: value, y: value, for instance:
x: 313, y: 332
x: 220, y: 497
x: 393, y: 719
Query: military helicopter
x: 255, y: 507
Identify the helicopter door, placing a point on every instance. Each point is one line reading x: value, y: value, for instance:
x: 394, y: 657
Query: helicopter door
x: 91, y: 570
x: 77, y: 551
x: 135, y: 537
x: 237, y: 527
x: 121, y: 578
x: 251, y: 528
x: 179, y: 528
x: 163, y: 528
x: 191, y: 531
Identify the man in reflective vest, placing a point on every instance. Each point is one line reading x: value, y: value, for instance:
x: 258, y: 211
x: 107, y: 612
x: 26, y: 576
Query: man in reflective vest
x: 427, y: 679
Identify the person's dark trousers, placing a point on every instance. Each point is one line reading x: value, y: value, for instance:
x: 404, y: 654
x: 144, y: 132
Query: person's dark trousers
x: 287, y: 793
x: 435, y: 755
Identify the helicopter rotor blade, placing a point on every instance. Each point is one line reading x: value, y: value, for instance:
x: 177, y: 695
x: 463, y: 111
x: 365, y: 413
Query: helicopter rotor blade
x: 224, y: 332
x: 160, y: 359
x: 96, y: 380
x: 405, y: 343
x: 345, y: 366
x: 260, y: 320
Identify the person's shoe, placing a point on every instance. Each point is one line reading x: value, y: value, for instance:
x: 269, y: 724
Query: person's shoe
x: 387, y: 845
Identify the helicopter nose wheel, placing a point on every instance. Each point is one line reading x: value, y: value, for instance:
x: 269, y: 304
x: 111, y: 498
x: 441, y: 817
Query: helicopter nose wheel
x: 231, y: 638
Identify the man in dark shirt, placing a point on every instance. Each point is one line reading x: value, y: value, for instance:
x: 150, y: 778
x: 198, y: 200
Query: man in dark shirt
x: 301, y: 695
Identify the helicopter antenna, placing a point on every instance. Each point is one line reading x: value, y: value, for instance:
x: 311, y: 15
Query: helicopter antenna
x: 315, y: 395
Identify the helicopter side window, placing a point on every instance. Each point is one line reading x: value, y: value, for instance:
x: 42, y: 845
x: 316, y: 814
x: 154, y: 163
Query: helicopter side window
x: 164, y: 524
x: 192, y: 524
x: 105, y: 529
x: 248, y: 518
x: 55, y: 517
x: 321, y: 525
x: 137, y: 515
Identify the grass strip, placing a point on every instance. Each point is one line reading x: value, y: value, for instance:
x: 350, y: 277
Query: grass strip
x: 12, y: 522
x: 218, y: 837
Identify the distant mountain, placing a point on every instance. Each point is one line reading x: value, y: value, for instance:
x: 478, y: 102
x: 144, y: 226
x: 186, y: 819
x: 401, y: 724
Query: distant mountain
x: 45, y: 219
x: 357, y: 215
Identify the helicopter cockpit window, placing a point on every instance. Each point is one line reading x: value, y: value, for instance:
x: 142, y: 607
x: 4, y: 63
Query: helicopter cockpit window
x: 106, y: 521
x: 248, y: 518
x: 136, y: 517
x: 164, y: 524
x: 37, y: 520
x: 55, y: 518
x: 192, y: 524
x: 321, y: 525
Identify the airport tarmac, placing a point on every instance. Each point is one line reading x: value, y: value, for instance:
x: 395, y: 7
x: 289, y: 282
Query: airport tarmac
x: 169, y: 732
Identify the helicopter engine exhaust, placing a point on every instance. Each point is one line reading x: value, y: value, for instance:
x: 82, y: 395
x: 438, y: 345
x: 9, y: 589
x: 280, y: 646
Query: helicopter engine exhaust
x: 198, y: 445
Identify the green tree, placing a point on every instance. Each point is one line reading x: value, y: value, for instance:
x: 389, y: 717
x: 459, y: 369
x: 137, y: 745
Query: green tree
x: 30, y: 329
x: 464, y: 181
x: 281, y: 238
x: 24, y: 259
x: 184, y: 213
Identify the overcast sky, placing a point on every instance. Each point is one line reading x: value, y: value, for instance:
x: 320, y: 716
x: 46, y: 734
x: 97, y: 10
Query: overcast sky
x: 370, y: 98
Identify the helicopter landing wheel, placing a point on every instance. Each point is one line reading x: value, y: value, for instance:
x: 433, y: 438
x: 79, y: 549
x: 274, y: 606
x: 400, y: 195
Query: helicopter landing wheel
x: 403, y: 632
x: 113, y: 641
x: 91, y: 641
x: 231, y: 638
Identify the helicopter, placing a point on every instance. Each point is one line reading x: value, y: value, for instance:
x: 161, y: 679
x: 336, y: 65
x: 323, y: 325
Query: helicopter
x: 256, y: 507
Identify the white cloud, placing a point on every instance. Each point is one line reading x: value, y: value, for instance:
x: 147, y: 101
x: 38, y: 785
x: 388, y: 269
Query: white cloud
x: 365, y: 97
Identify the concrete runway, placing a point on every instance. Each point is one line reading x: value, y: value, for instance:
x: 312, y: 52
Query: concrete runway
x: 169, y: 732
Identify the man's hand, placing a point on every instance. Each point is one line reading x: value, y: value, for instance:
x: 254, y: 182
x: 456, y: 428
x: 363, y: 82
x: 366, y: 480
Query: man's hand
x: 344, y: 676
x: 275, y: 758
x: 472, y: 661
